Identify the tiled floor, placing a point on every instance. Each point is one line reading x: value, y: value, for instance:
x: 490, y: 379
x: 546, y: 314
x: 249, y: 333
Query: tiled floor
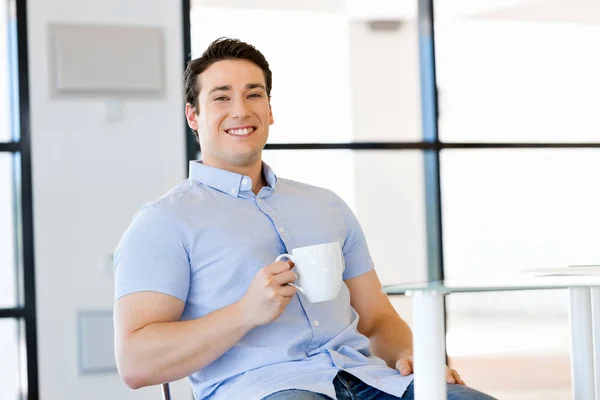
x: 512, y: 357
x: 517, y: 377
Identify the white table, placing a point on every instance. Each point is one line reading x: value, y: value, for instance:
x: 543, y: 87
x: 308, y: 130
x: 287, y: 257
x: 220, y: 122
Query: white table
x: 429, y: 340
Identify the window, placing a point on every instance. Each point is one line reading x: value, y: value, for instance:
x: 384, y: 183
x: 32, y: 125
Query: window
x: 324, y: 93
x: 520, y: 145
x: 10, y: 379
x: 505, y: 80
x: 394, y: 225
x: 509, y: 156
x: 18, y: 364
x: 8, y: 242
x: 324, y: 89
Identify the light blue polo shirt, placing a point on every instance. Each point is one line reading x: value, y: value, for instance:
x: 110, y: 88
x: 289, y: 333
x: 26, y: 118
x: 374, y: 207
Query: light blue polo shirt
x: 205, y: 240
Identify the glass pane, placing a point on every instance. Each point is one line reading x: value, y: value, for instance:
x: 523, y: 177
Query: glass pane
x: 8, y: 261
x: 9, y: 362
x: 342, y: 80
x: 531, y: 350
x: 386, y: 192
x: 507, y: 210
x: 518, y: 71
x: 8, y: 68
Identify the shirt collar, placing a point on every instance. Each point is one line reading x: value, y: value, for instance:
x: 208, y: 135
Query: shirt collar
x: 226, y: 181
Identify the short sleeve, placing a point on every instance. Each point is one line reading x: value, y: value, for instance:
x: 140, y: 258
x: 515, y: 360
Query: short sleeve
x: 151, y: 256
x: 356, y: 251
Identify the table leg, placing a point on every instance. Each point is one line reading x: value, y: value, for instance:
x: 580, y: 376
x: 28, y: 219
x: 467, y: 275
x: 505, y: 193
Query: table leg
x: 429, y: 345
x: 595, y: 338
x: 582, y: 356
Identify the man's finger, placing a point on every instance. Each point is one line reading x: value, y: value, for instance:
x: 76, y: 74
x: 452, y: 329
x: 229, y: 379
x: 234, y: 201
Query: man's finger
x: 279, y: 267
x: 457, y: 377
x: 285, y: 277
x: 404, y: 366
x: 450, y: 376
x: 287, y: 291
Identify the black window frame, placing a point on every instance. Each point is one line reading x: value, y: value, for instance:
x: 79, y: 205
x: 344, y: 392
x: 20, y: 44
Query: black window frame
x: 24, y: 313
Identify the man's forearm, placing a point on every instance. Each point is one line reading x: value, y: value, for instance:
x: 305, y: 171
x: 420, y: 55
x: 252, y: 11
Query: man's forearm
x: 391, y: 339
x: 167, y: 351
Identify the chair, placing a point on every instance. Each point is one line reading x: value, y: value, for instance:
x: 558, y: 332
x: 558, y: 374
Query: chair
x: 166, y: 391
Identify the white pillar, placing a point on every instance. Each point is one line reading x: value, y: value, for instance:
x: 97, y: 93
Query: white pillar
x: 582, y: 356
x: 595, y: 338
x: 429, y: 345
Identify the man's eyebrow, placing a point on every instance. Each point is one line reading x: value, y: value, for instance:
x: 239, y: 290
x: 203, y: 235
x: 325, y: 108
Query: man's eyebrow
x: 219, y: 89
x: 255, y: 86
x: 228, y: 87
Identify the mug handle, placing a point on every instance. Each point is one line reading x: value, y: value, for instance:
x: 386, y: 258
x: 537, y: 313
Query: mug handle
x: 291, y: 258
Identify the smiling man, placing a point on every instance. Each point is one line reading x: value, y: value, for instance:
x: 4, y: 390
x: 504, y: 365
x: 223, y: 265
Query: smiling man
x: 198, y: 293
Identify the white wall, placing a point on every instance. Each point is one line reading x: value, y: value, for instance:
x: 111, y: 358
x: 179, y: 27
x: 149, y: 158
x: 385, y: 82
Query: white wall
x: 89, y: 178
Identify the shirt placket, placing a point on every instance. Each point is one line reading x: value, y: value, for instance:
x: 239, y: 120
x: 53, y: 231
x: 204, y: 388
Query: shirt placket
x: 316, y: 325
x: 277, y: 222
x: 309, y: 312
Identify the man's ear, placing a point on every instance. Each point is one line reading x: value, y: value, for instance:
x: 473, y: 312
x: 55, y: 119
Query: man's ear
x: 271, y: 120
x: 192, y: 116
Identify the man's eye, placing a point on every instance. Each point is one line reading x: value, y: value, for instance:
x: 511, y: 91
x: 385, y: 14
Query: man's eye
x: 255, y: 95
x: 220, y: 98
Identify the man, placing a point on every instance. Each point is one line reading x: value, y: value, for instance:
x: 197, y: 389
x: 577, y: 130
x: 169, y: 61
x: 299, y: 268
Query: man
x: 199, y: 294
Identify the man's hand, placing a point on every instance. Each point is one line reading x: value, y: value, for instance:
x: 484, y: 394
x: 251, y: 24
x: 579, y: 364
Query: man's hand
x: 405, y: 366
x: 269, y: 293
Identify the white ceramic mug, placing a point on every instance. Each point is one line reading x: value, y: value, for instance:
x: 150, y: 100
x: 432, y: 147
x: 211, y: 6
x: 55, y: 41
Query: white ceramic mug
x: 319, y: 269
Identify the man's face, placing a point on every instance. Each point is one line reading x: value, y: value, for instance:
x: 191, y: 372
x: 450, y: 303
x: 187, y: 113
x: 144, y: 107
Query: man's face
x: 233, y: 114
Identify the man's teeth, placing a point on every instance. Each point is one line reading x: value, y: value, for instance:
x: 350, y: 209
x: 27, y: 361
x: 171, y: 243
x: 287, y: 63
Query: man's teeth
x: 240, y: 132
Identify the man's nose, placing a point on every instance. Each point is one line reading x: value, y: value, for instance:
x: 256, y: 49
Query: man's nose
x: 239, y: 109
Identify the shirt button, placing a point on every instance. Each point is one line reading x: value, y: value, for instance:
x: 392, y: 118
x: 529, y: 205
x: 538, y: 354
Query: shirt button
x: 281, y: 229
x: 232, y: 190
x: 259, y: 201
x: 316, y: 323
x: 244, y: 181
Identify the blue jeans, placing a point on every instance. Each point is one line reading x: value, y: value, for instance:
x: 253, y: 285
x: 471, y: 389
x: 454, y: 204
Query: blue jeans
x: 348, y: 387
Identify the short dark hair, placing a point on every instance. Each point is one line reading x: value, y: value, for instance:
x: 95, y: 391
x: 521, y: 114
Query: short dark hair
x: 222, y: 49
